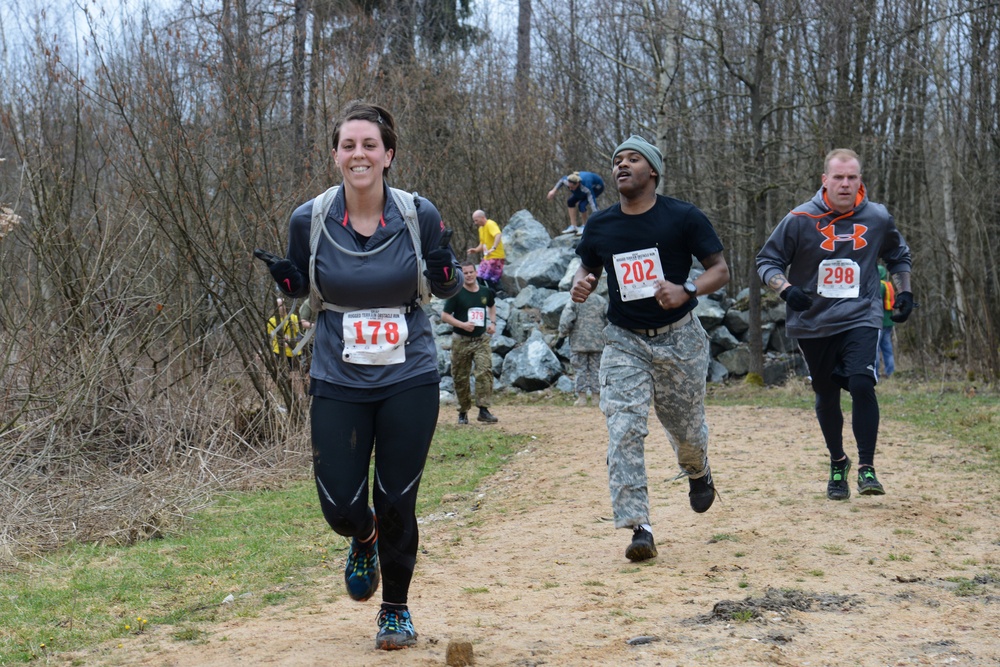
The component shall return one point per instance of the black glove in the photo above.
(290, 280)
(903, 307)
(796, 298)
(441, 268)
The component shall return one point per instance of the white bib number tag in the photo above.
(839, 279)
(375, 337)
(637, 273)
(477, 316)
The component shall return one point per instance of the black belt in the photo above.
(665, 328)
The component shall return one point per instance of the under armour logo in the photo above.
(832, 237)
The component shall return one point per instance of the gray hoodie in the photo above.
(813, 232)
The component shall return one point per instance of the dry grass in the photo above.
(83, 469)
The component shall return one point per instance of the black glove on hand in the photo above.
(903, 307)
(441, 267)
(288, 277)
(796, 298)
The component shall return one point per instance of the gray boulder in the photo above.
(542, 268)
(736, 360)
(522, 234)
(552, 309)
(737, 321)
(531, 366)
(710, 313)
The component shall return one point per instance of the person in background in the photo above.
(491, 245)
(584, 324)
(829, 249)
(472, 314)
(885, 354)
(375, 382)
(584, 189)
(285, 331)
(656, 352)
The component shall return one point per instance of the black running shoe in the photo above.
(868, 484)
(395, 629)
(702, 492)
(642, 547)
(362, 572)
(838, 488)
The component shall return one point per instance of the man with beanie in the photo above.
(829, 248)
(657, 352)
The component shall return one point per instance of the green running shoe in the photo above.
(868, 484)
(838, 488)
(395, 629)
(362, 572)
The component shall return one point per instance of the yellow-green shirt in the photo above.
(487, 233)
(290, 329)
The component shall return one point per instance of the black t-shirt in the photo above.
(676, 229)
(459, 305)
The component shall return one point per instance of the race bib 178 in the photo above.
(375, 337)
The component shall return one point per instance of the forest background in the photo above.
(146, 150)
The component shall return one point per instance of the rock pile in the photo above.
(529, 354)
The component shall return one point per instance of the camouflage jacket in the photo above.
(584, 324)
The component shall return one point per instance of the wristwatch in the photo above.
(690, 288)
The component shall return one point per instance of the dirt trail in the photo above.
(533, 573)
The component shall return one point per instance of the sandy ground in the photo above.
(531, 571)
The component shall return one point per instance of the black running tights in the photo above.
(864, 415)
(399, 430)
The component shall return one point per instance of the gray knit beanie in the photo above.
(644, 148)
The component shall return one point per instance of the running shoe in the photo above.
(362, 572)
(642, 546)
(395, 629)
(702, 492)
(838, 488)
(569, 230)
(868, 484)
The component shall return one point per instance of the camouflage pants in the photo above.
(466, 351)
(667, 372)
(587, 366)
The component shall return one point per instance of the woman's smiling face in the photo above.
(360, 153)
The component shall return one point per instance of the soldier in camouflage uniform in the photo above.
(471, 313)
(657, 352)
(584, 324)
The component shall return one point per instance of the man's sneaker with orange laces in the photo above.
(838, 488)
(362, 572)
(868, 484)
(395, 629)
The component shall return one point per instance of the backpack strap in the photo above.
(406, 203)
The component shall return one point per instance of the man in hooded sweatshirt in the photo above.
(822, 260)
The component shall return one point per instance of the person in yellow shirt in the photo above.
(491, 245)
(283, 331)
